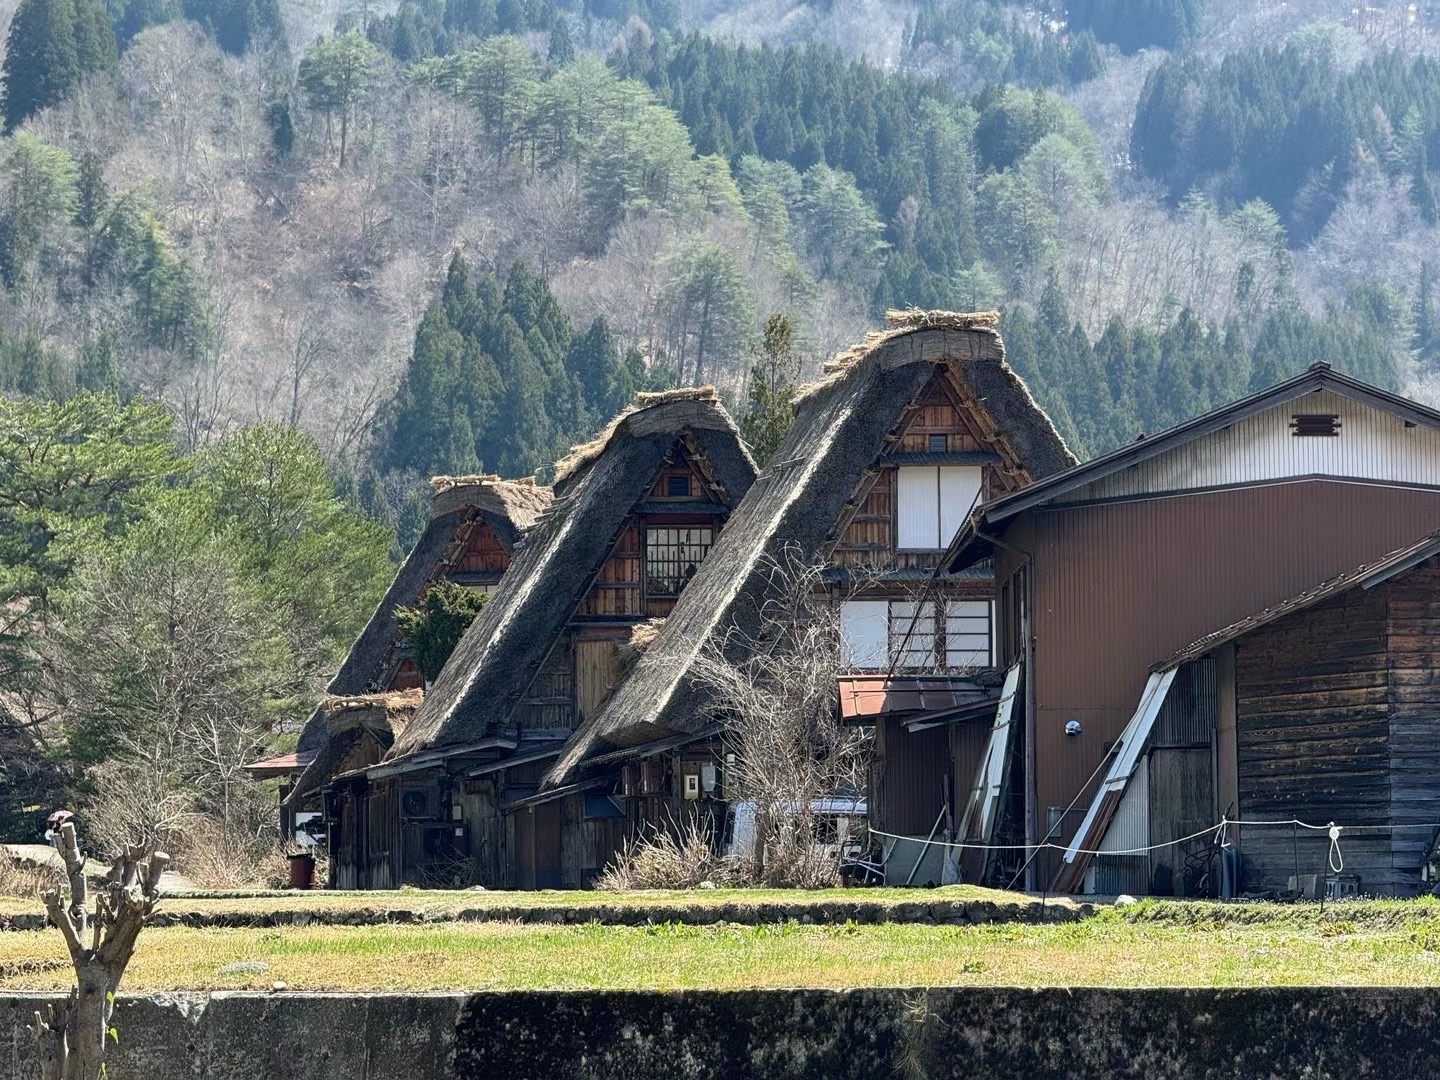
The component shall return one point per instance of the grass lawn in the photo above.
(1151, 945)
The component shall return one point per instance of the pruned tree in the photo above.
(72, 1035)
(775, 687)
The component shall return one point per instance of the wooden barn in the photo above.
(1324, 708)
(887, 456)
(475, 525)
(457, 799)
(1107, 568)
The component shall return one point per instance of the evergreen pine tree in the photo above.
(41, 62)
(770, 411)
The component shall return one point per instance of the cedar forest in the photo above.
(266, 266)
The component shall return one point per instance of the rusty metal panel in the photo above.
(1118, 587)
(1370, 444)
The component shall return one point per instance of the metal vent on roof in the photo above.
(1315, 425)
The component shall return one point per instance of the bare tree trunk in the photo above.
(72, 1035)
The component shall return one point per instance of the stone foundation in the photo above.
(975, 1034)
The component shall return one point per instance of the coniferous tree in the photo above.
(52, 45)
(770, 410)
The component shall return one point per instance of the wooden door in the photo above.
(1182, 802)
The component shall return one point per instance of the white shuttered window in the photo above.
(967, 633)
(932, 503)
(901, 635)
(864, 628)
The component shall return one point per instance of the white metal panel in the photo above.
(917, 512)
(1129, 829)
(1372, 445)
(1127, 752)
(983, 805)
(959, 493)
(864, 630)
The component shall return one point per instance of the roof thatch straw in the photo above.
(500, 654)
(841, 429)
(359, 729)
(580, 456)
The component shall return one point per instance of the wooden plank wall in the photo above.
(1312, 703)
(483, 552)
(908, 777)
(617, 589)
(481, 814)
(550, 700)
(1414, 633)
(595, 673)
(587, 845)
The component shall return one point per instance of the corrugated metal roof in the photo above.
(1362, 577)
(283, 763)
(866, 698)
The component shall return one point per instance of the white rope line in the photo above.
(1221, 829)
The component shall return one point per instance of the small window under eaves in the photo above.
(1315, 425)
(939, 444)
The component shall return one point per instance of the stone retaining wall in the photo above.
(953, 912)
(977, 1034)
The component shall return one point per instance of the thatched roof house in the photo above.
(476, 524)
(845, 427)
(601, 488)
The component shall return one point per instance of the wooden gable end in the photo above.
(481, 553)
(940, 426)
(619, 589)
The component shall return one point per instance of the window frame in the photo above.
(682, 546)
(961, 479)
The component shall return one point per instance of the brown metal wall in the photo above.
(908, 778)
(1118, 587)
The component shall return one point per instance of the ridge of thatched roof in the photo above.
(580, 455)
(841, 427)
(510, 507)
(499, 655)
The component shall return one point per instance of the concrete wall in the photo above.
(776, 1035)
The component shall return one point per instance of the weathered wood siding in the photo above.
(595, 673)
(587, 845)
(1312, 704)
(1414, 633)
(550, 701)
(617, 590)
(483, 553)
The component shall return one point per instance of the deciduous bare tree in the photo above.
(775, 686)
(72, 1035)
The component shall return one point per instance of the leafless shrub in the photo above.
(775, 687)
(214, 857)
(27, 882)
(663, 860)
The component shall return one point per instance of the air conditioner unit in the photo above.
(419, 803)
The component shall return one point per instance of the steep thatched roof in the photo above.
(348, 720)
(600, 483)
(509, 507)
(840, 429)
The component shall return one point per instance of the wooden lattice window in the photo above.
(672, 556)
